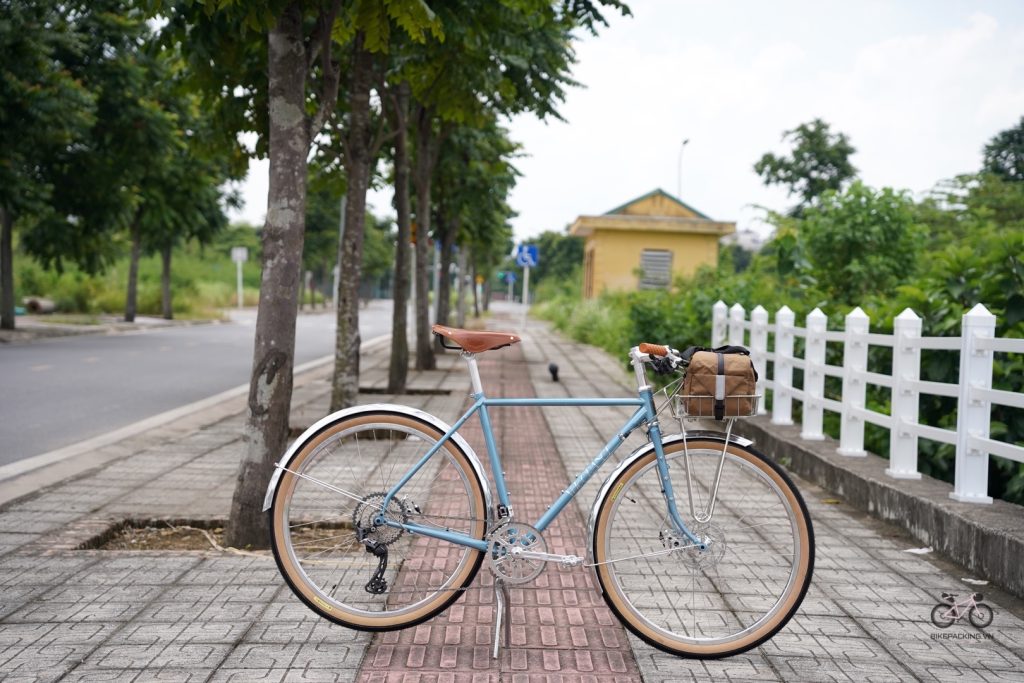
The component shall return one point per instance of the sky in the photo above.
(918, 86)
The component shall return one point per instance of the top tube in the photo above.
(561, 401)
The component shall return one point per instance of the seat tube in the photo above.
(485, 425)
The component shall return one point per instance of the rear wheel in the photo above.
(943, 616)
(325, 530)
(728, 597)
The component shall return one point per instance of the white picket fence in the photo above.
(974, 392)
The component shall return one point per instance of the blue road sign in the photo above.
(510, 276)
(527, 256)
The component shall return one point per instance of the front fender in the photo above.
(394, 409)
(632, 458)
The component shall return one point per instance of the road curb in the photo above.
(24, 477)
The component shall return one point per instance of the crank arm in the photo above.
(565, 560)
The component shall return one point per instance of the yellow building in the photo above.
(645, 243)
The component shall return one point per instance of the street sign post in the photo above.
(239, 255)
(526, 256)
(510, 278)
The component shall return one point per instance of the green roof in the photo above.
(677, 200)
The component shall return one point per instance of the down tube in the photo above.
(638, 417)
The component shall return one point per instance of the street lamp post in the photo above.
(679, 170)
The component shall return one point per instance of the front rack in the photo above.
(691, 405)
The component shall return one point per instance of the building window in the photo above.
(655, 269)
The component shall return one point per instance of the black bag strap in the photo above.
(688, 353)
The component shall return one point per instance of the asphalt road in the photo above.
(56, 392)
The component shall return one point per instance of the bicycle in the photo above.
(949, 611)
(381, 515)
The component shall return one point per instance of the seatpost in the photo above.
(474, 373)
(636, 360)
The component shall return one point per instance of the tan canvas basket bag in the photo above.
(719, 383)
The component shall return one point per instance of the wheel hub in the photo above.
(712, 538)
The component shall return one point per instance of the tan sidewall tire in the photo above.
(619, 605)
(294, 575)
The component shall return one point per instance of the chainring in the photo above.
(505, 545)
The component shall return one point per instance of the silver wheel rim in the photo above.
(689, 624)
(362, 565)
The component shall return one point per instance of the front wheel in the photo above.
(980, 615)
(728, 597)
(327, 536)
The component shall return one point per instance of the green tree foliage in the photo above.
(561, 256)
(860, 241)
(323, 218)
(819, 161)
(1004, 154)
(45, 109)
(474, 176)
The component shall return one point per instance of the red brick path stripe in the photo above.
(561, 628)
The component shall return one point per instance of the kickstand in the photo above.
(501, 616)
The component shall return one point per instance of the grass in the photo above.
(202, 283)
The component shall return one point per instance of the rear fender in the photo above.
(393, 409)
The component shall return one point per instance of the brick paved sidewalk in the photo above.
(68, 614)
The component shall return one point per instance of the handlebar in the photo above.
(653, 349)
(663, 360)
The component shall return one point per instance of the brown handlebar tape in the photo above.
(653, 349)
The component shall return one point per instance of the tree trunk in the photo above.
(476, 296)
(425, 136)
(345, 388)
(6, 269)
(270, 387)
(460, 292)
(165, 282)
(444, 282)
(398, 370)
(487, 294)
(131, 298)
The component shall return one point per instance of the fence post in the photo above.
(759, 351)
(737, 314)
(814, 376)
(972, 415)
(782, 399)
(719, 315)
(906, 369)
(855, 360)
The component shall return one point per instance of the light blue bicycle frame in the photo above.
(645, 413)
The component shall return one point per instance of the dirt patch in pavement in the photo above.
(164, 538)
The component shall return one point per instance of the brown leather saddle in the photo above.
(472, 341)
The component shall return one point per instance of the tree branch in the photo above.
(331, 71)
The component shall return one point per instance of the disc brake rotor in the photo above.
(710, 533)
